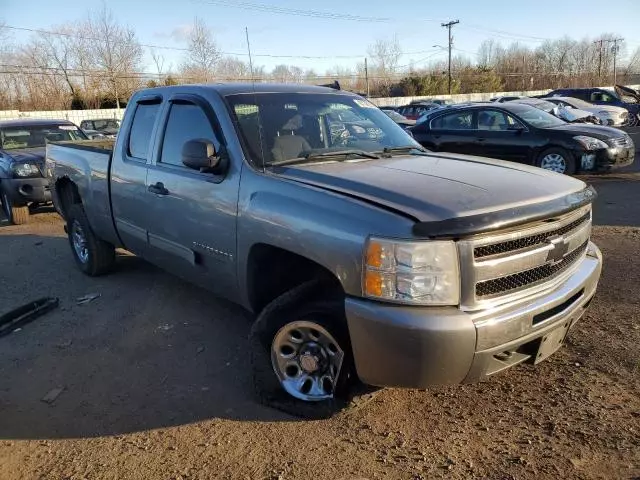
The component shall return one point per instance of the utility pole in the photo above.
(366, 75)
(615, 49)
(599, 43)
(448, 26)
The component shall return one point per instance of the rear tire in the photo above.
(15, 215)
(337, 387)
(557, 160)
(92, 255)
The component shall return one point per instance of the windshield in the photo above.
(106, 125)
(394, 115)
(577, 103)
(33, 136)
(540, 118)
(276, 127)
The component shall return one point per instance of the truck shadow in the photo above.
(151, 352)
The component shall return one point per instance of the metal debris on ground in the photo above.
(13, 321)
(87, 298)
(52, 395)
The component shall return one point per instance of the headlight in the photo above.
(420, 273)
(590, 143)
(25, 169)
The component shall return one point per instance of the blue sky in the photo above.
(416, 23)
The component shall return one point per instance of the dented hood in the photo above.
(441, 187)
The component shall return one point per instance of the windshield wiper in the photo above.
(321, 155)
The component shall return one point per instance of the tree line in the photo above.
(98, 63)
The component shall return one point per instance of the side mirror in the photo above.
(200, 155)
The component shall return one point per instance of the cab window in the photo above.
(144, 119)
(186, 122)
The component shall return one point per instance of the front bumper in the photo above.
(605, 159)
(27, 190)
(414, 347)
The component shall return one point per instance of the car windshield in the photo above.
(33, 136)
(106, 125)
(278, 127)
(577, 103)
(394, 115)
(539, 118)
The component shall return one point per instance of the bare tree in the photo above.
(385, 55)
(115, 51)
(203, 54)
(230, 68)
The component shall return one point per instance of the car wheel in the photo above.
(557, 160)
(92, 255)
(301, 355)
(15, 215)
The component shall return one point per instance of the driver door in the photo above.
(192, 229)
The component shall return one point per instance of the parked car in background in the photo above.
(377, 263)
(400, 119)
(601, 96)
(522, 133)
(22, 169)
(608, 114)
(345, 126)
(505, 98)
(416, 110)
(108, 127)
(439, 101)
(573, 115)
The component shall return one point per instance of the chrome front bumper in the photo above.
(416, 347)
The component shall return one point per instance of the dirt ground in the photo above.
(156, 384)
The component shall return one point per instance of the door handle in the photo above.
(158, 188)
(481, 139)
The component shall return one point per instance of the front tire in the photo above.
(15, 215)
(301, 355)
(557, 160)
(92, 255)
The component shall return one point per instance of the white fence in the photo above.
(76, 116)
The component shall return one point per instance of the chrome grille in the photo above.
(496, 268)
(527, 242)
(528, 278)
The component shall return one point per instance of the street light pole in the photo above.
(448, 26)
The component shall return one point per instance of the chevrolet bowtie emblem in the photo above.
(559, 249)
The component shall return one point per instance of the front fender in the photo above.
(325, 227)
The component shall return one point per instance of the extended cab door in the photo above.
(128, 181)
(192, 230)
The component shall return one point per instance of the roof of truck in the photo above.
(238, 88)
(19, 122)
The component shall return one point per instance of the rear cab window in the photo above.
(144, 119)
(454, 121)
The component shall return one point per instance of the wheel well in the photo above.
(67, 193)
(273, 271)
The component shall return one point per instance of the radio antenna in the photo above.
(255, 99)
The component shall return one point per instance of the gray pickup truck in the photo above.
(367, 259)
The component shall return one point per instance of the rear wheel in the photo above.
(301, 355)
(557, 160)
(15, 215)
(92, 255)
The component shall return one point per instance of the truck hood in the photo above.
(441, 188)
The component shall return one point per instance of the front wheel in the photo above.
(92, 255)
(557, 160)
(15, 215)
(301, 355)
